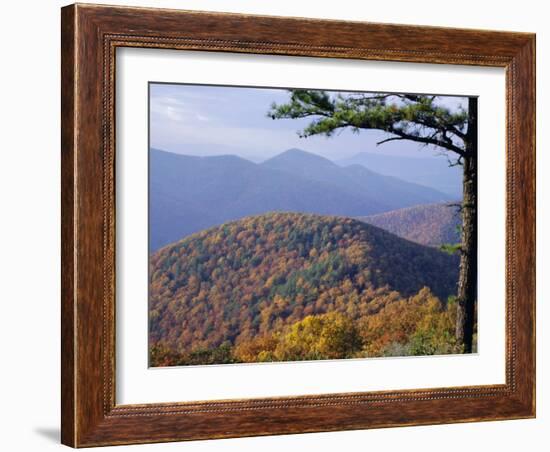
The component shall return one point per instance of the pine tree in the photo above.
(417, 118)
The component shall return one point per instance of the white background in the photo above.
(30, 226)
(137, 384)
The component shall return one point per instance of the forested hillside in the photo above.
(430, 224)
(288, 286)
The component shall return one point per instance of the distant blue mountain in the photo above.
(188, 194)
(433, 172)
(392, 192)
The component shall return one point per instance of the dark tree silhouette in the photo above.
(421, 119)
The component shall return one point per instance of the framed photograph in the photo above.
(282, 225)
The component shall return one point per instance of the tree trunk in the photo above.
(467, 282)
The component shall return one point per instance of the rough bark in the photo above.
(467, 283)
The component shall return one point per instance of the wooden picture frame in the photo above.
(90, 36)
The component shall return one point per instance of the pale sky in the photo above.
(213, 120)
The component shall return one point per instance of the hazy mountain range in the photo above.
(188, 193)
(432, 172)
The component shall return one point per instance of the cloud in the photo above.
(202, 117)
(214, 117)
(167, 108)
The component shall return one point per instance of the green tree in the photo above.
(421, 119)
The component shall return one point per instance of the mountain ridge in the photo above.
(253, 276)
(190, 193)
(433, 172)
(356, 178)
(428, 224)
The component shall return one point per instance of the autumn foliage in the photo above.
(287, 287)
(427, 224)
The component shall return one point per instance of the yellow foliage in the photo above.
(328, 336)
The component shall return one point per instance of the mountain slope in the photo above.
(256, 275)
(355, 179)
(431, 172)
(431, 225)
(188, 194)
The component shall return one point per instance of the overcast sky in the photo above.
(213, 120)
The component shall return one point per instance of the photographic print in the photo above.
(304, 224)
